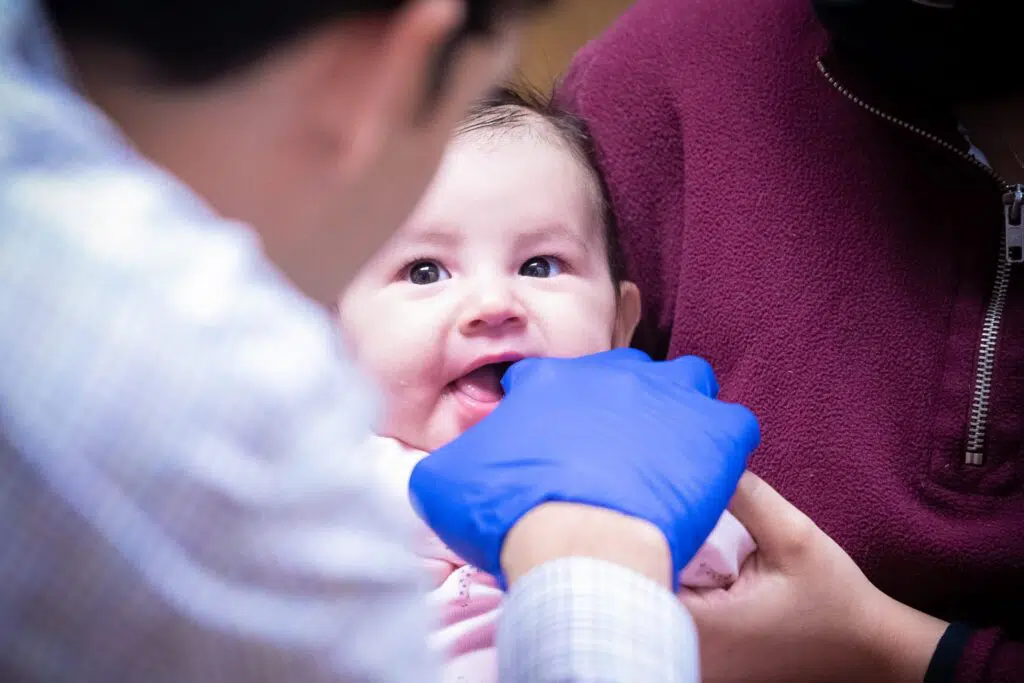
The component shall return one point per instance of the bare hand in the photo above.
(802, 611)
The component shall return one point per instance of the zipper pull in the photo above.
(1013, 204)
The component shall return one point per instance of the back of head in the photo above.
(188, 42)
(296, 117)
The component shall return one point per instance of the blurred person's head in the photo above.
(512, 253)
(318, 122)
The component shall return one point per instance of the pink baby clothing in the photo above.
(467, 601)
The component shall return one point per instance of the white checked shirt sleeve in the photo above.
(180, 492)
(588, 621)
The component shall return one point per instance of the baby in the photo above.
(512, 253)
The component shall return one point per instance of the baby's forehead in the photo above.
(519, 186)
(525, 160)
(492, 186)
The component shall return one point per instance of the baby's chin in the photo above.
(443, 426)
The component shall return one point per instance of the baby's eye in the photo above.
(426, 272)
(541, 266)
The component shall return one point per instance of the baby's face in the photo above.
(503, 259)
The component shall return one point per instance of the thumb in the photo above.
(517, 372)
(694, 373)
(777, 525)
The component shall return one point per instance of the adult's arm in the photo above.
(586, 620)
(590, 602)
(181, 494)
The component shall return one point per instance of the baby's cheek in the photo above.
(579, 323)
(408, 411)
(387, 362)
(426, 423)
(398, 419)
(400, 351)
(589, 335)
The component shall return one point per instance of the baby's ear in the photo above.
(627, 314)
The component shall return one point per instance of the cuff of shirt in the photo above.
(949, 651)
(586, 620)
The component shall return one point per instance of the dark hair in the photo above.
(191, 42)
(521, 107)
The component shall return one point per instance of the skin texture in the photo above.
(800, 587)
(510, 240)
(624, 537)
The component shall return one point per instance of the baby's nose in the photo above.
(492, 312)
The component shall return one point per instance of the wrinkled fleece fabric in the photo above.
(835, 253)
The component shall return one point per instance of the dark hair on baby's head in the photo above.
(521, 107)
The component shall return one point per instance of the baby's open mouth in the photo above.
(484, 383)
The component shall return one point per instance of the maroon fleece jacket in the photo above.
(836, 256)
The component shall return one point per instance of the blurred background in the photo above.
(553, 39)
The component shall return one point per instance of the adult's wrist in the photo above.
(554, 531)
(903, 641)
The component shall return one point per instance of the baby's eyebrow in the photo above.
(553, 231)
(432, 236)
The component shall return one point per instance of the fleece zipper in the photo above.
(1010, 252)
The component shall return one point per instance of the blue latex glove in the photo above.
(614, 430)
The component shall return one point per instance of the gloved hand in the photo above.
(614, 430)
